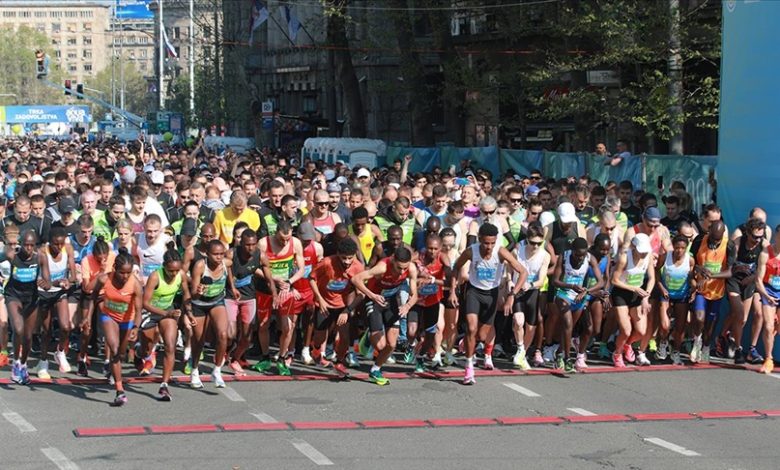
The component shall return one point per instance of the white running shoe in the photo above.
(696, 350)
(489, 362)
(62, 360)
(42, 371)
(662, 352)
(306, 356)
(676, 359)
(642, 360)
(195, 381)
(187, 354)
(581, 363)
(216, 376)
(449, 359)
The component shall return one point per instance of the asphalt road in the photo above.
(39, 423)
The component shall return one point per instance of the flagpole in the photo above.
(192, 59)
(162, 59)
(281, 29)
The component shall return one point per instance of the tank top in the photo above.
(282, 264)
(533, 265)
(590, 278)
(324, 226)
(572, 275)
(151, 256)
(81, 251)
(309, 260)
(772, 271)
(138, 227)
(747, 257)
(164, 293)
(390, 282)
(655, 238)
(244, 273)
(366, 241)
(58, 270)
(23, 279)
(455, 228)
(634, 275)
(713, 260)
(118, 303)
(430, 294)
(485, 274)
(215, 286)
(676, 278)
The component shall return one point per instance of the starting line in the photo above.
(362, 376)
(417, 423)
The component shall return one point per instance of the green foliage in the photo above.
(17, 56)
(137, 100)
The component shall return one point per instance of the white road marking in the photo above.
(17, 420)
(59, 459)
(777, 376)
(581, 412)
(522, 390)
(310, 452)
(263, 418)
(232, 394)
(672, 447)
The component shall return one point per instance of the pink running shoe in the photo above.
(628, 351)
(468, 379)
(580, 363)
(617, 361)
(235, 366)
(538, 360)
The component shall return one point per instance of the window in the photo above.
(88, 68)
(143, 66)
(55, 14)
(144, 40)
(55, 42)
(71, 27)
(310, 104)
(176, 33)
(72, 55)
(86, 26)
(71, 14)
(25, 14)
(86, 40)
(9, 14)
(71, 41)
(58, 54)
(56, 27)
(40, 14)
(86, 14)
(72, 68)
(86, 54)
(40, 27)
(143, 52)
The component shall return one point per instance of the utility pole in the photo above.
(113, 57)
(121, 64)
(162, 59)
(192, 59)
(674, 65)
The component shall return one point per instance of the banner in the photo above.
(423, 158)
(630, 169)
(480, 157)
(44, 114)
(561, 165)
(522, 162)
(692, 171)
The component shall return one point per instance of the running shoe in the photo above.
(283, 369)
(187, 354)
(516, 358)
(419, 366)
(754, 357)
(768, 367)
(262, 366)
(604, 351)
(62, 360)
(696, 350)
(16, 372)
(548, 354)
(120, 399)
(720, 346)
(188, 366)
(238, 371)
(652, 345)
(449, 359)
(524, 365)
(365, 345)
(705, 355)
(148, 365)
(569, 366)
(352, 360)
(409, 356)
(24, 375)
(165, 394)
(306, 357)
(581, 361)
(195, 381)
(538, 360)
(559, 362)
(731, 349)
(391, 359)
(83, 369)
(3, 358)
(676, 359)
(739, 357)
(617, 360)
(436, 363)
(498, 351)
(663, 350)
(106, 369)
(43, 370)
(468, 378)
(642, 360)
(628, 352)
(377, 377)
(341, 370)
(216, 376)
(488, 363)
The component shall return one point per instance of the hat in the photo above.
(128, 175)
(37, 178)
(329, 175)
(189, 227)
(334, 188)
(642, 243)
(158, 177)
(567, 213)
(342, 180)
(345, 188)
(306, 231)
(532, 190)
(149, 167)
(24, 173)
(546, 218)
(652, 213)
(255, 201)
(468, 173)
(66, 205)
(363, 173)
(341, 162)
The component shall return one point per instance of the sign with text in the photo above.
(44, 114)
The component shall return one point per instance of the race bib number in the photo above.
(118, 307)
(485, 273)
(391, 291)
(774, 282)
(429, 289)
(25, 274)
(325, 229)
(713, 266)
(635, 280)
(57, 276)
(337, 285)
(148, 269)
(243, 281)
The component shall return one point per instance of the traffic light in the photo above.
(68, 88)
(80, 91)
(41, 64)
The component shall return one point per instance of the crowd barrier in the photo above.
(642, 170)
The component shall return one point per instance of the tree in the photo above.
(17, 54)
(137, 99)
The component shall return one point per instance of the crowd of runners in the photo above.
(149, 252)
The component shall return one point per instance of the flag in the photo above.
(293, 23)
(257, 18)
(168, 46)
